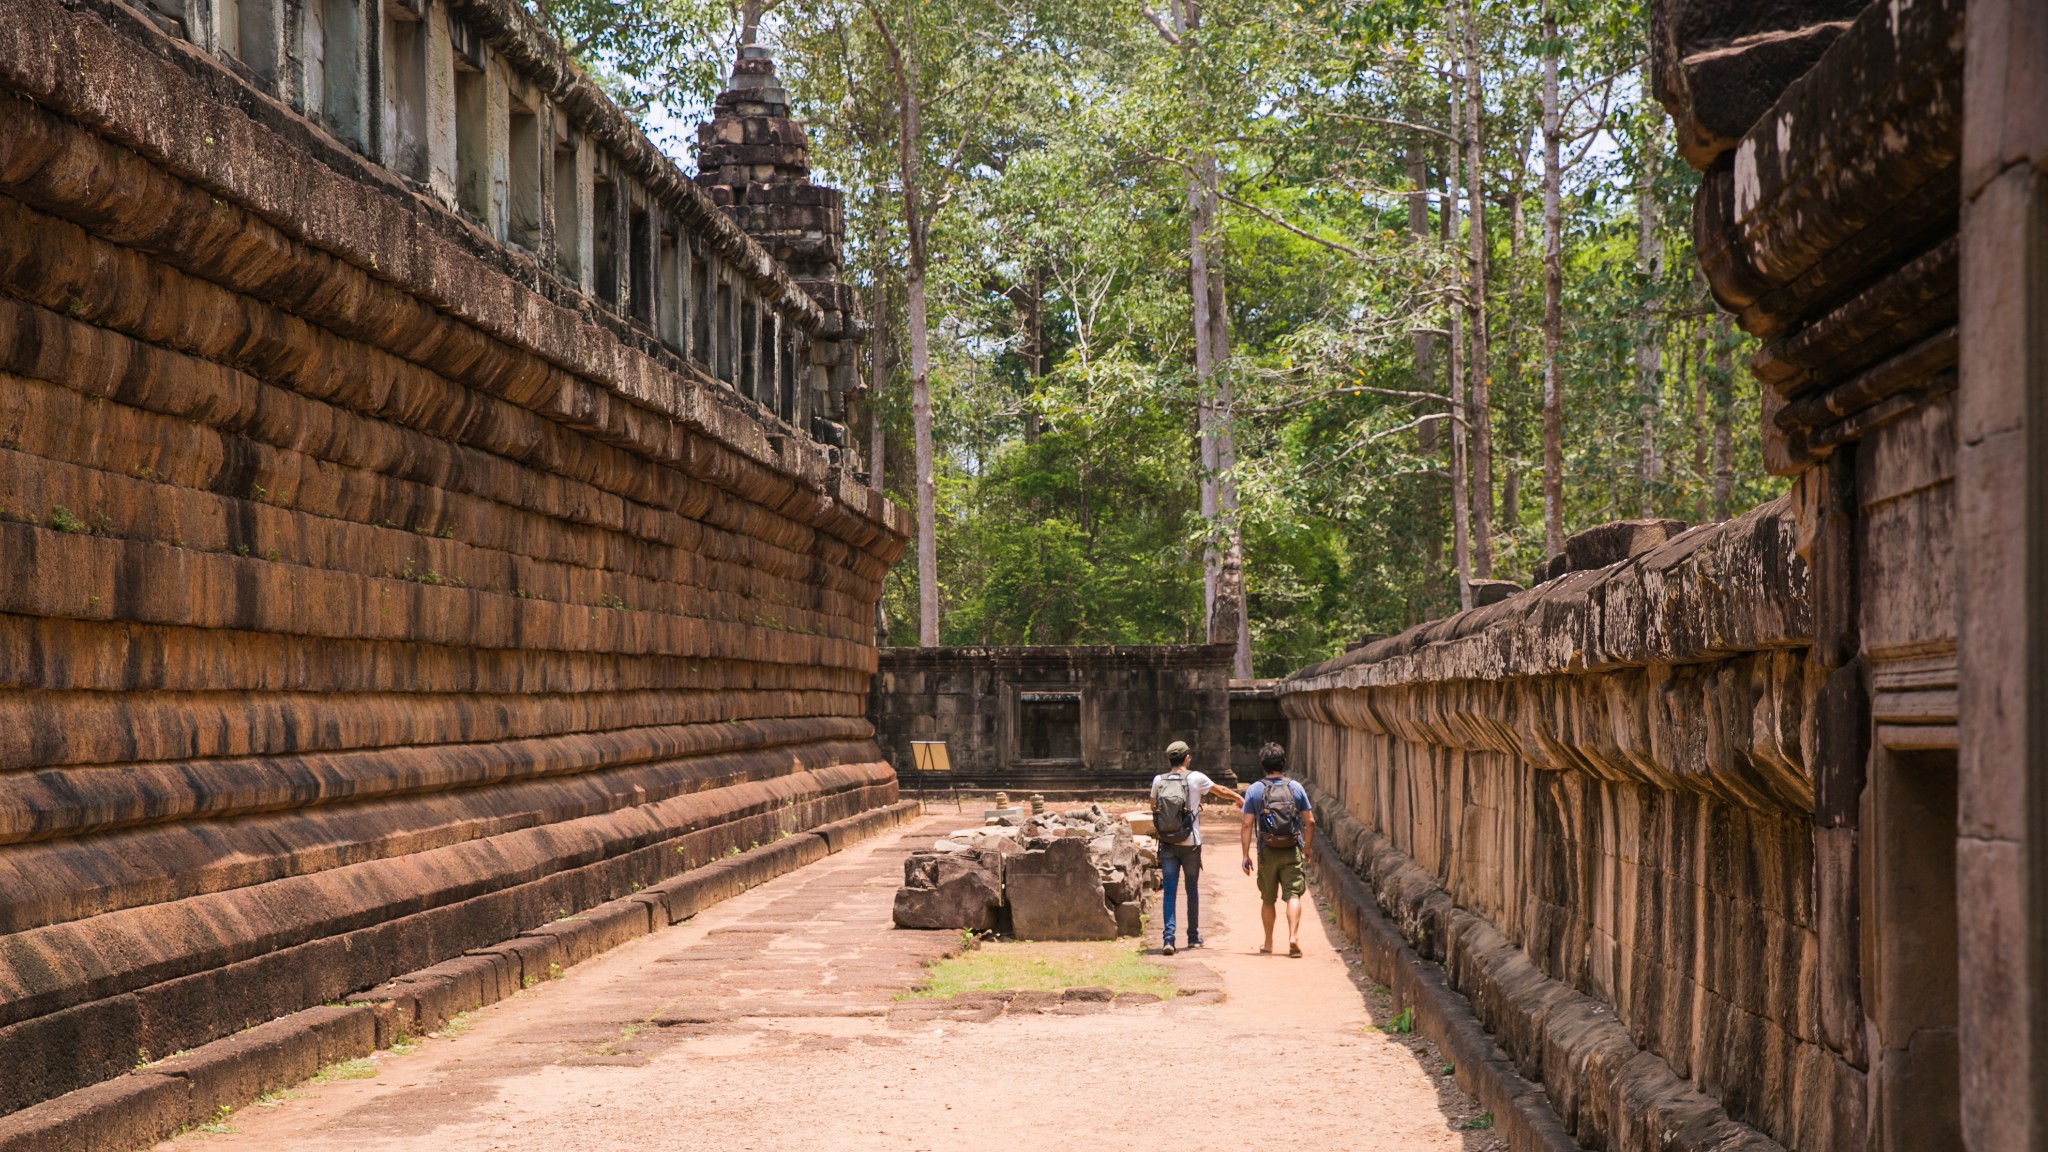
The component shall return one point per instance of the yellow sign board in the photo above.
(930, 756)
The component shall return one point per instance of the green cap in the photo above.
(1177, 748)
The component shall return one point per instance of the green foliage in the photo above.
(1056, 147)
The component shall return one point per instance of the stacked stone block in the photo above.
(361, 603)
(754, 161)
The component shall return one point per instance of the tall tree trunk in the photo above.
(1693, 371)
(1425, 343)
(1224, 423)
(1508, 451)
(1213, 418)
(1649, 351)
(1553, 297)
(878, 374)
(1475, 195)
(1205, 387)
(1461, 506)
(1724, 396)
(903, 61)
(1034, 344)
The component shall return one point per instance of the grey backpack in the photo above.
(1172, 821)
(1279, 814)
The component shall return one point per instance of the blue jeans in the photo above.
(1176, 860)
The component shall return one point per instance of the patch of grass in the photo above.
(1024, 966)
(277, 1099)
(346, 1070)
(1478, 1123)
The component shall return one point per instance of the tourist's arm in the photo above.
(1244, 841)
(1235, 799)
(1308, 828)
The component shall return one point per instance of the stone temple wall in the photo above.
(1056, 718)
(1590, 802)
(378, 580)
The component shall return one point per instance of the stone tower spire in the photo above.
(755, 163)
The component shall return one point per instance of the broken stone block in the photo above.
(956, 889)
(1055, 894)
(1486, 592)
(1613, 542)
(1130, 918)
(1140, 822)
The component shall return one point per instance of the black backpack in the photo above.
(1279, 813)
(1171, 821)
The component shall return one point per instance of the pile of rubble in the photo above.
(1076, 875)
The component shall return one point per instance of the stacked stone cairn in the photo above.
(1078, 875)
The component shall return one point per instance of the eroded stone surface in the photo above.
(373, 590)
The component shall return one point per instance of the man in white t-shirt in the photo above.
(1177, 797)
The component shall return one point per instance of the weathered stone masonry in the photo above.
(1056, 718)
(1589, 803)
(412, 527)
(1724, 858)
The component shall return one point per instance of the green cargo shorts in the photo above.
(1280, 874)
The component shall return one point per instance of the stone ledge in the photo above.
(1709, 592)
(152, 1103)
(1616, 1094)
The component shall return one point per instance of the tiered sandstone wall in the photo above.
(1591, 803)
(368, 593)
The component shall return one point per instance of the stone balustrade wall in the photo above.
(1590, 802)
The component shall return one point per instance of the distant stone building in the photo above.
(1071, 719)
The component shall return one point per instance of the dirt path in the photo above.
(766, 1023)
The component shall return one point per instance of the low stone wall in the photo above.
(1064, 719)
(1591, 804)
(366, 595)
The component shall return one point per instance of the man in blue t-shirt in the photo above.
(1276, 812)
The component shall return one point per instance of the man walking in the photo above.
(1276, 810)
(1177, 823)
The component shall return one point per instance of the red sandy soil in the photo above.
(773, 1021)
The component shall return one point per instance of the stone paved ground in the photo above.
(771, 1021)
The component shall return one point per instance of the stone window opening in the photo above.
(332, 39)
(749, 329)
(568, 209)
(669, 298)
(1049, 726)
(522, 164)
(248, 32)
(604, 241)
(472, 126)
(640, 266)
(724, 324)
(405, 91)
(785, 376)
(700, 310)
(169, 15)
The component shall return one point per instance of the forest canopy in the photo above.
(1371, 300)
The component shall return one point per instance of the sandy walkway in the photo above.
(766, 1023)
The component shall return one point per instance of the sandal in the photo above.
(1265, 949)
(1294, 950)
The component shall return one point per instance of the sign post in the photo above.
(931, 756)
